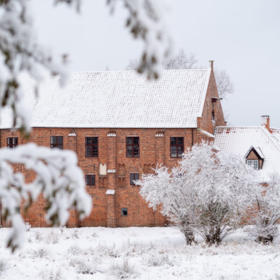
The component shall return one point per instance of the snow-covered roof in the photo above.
(238, 140)
(258, 151)
(118, 99)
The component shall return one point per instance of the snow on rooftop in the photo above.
(238, 140)
(118, 99)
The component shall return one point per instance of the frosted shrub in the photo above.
(52, 238)
(157, 260)
(207, 193)
(266, 212)
(74, 234)
(38, 236)
(75, 250)
(82, 266)
(40, 253)
(4, 265)
(122, 269)
(52, 274)
(27, 226)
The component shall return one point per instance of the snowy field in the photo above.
(134, 253)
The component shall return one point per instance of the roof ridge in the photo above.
(268, 134)
(124, 70)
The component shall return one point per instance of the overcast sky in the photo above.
(240, 36)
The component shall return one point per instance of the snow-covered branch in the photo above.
(58, 178)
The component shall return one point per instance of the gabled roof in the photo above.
(119, 99)
(257, 150)
(238, 140)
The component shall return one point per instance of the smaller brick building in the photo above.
(258, 145)
(121, 126)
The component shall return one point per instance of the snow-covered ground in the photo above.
(134, 253)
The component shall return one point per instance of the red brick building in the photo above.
(121, 126)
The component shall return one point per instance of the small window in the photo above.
(132, 147)
(57, 142)
(124, 211)
(90, 180)
(12, 142)
(254, 163)
(213, 115)
(91, 146)
(133, 177)
(176, 147)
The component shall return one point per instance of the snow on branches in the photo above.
(147, 21)
(20, 52)
(57, 176)
(266, 212)
(207, 193)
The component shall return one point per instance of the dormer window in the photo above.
(255, 157)
(254, 163)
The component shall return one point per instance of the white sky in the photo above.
(240, 36)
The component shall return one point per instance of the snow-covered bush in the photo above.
(53, 274)
(265, 214)
(122, 269)
(207, 193)
(4, 265)
(58, 175)
(40, 253)
(75, 250)
(82, 266)
(52, 238)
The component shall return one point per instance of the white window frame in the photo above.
(254, 163)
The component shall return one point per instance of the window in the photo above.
(213, 115)
(90, 180)
(132, 146)
(133, 177)
(57, 142)
(176, 147)
(91, 147)
(124, 211)
(254, 163)
(12, 142)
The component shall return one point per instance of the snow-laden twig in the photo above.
(57, 176)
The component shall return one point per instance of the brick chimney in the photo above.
(211, 64)
(265, 121)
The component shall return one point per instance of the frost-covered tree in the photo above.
(58, 176)
(265, 213)
(207, 193)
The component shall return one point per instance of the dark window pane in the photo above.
(59, 147)
(173, 140)
(95, 151)
(93, 180)
(131, 179)
(173, 151)
(87, 179)
(124, 212)
(53, 140)
(59, 140)
(180, 151)
(136, 176)
(136, 151)
(129, 140)
(88, 140)
(129, 151)
(88, 151)
(136, 140)
(180, 140)
(95, 140)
